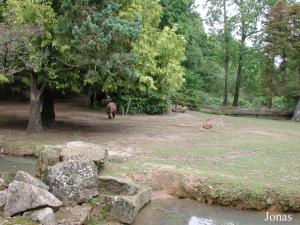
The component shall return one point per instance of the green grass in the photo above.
(273, 162)
(20, 221)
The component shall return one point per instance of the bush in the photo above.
(150, 104)
(208, 100)
(284, 103)
(189, 98)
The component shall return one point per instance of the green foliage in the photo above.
(180, 14)
(3, 79)
(151, 103)
(189, 24)
(2, 9)
(189, 94)
(131, 48)
(99, 43)
(160, 51)
(187, 97)
(282, 46)
(27, 39)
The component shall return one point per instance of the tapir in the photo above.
(111, 110)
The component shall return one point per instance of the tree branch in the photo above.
(68, 64)
(42, 89)
(17, 72)
(253, 32)
(66, 69)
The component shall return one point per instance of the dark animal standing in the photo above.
(111, 110)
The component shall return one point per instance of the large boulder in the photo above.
(44, 216)
(22, 197)
(117, 186)
(125, 208)
(49, 156)
(88, 150)
(3, 198)
(125, 198)
(77, 215)
(74, 180)
(27, 178)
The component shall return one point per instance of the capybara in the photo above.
(111, 110)
(208, 124)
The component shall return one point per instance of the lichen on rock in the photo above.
(74, 180)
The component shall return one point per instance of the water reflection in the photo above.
(9, 165)
(200, 221)
(188, 212)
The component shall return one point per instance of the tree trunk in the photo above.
(226, 68)
(34, 122)
(226, 55)
(238, 83)
(93, 99)
(239, 73)
(48, 112)
(297, 112)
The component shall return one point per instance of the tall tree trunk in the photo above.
(239, 72)
(226, 68)
(226, 55)
(34, 122)
(48, 112)
(297, 112)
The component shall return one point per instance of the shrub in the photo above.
(151, 104)
(189, 98)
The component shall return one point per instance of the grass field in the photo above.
(243, 153)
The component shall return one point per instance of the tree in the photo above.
(215, 9)
(282, 44)
(27, 36)
(249, 15)
(160, 51)
(219, 16)
(183, 15)
(98, 44)
(268, 85)
(85, 41)
(294, 56)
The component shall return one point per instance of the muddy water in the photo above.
(9, 165)
(188, 212)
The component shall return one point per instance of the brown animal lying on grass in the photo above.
(208, 124)
(111, 109)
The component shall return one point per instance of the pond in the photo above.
(189, 212)
(9, 165)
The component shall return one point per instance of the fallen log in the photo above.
(206, 125)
